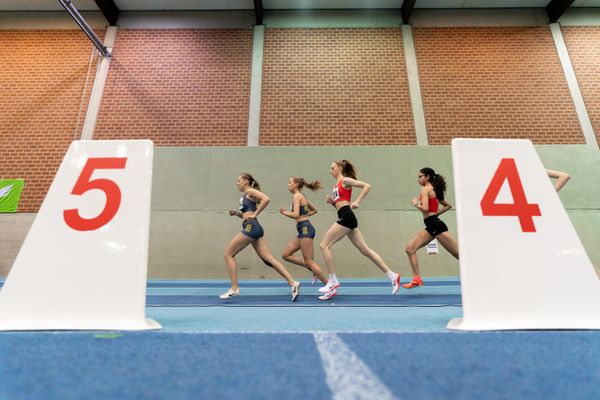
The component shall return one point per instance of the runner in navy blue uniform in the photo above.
(301, 209)
(251, 204)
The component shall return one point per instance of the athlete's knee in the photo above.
(365, 251)
(410, 249)
(286, 256)
(227, 256)
(324, 246)
(267, 262)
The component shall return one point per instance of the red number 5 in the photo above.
(507, 170)
(110, 189)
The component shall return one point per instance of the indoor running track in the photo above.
(366, 344)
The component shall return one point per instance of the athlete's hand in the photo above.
(282, 211)
(354, 205)
(414, 202)
(232, 212)
(329, 200)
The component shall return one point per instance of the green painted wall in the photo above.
(194, 187)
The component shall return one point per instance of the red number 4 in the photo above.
(110, 189)
(507, 170)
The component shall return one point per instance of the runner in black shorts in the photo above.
(433, 187)
(301, 209)
(341, 198)
(251, 204)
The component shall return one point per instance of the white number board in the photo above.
(522, 265)
(84, 262)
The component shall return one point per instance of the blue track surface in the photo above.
(424, 300)
(265, 347)
(509, 365)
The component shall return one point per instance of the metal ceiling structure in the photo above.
(74, 13)
(150, 5)
(111, 8)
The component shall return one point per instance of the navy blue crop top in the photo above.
(247, 205)
(303, 209)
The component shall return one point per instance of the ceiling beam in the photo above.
(85, 27)
(110, 10)
(556, 8)
(407, 9)
(258, 9)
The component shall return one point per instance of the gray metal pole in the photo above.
(84, 25)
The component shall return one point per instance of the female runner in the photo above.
(302, 208)
(433, 187)
(341, 198)
(251, 204)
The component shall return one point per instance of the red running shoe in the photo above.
(417, 281)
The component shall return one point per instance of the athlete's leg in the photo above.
(449, 243)
(237, 244)
(287, 253)
(307, 253)
(359, 241)
(333, 235)
(418, 241)
(260, 246)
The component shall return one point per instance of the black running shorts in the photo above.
(347, 218)
(434, 225)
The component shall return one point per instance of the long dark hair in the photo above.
(301, 182)
(251, 181)
(348, 170)
(437, 181)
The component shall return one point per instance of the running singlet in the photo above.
(247, 205)
(303, 209)
(433, 204)
(340, 193)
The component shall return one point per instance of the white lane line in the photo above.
(348, 377)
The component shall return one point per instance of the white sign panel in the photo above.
(522, 265)
(84, 262)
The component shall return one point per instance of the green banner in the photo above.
(10, 194)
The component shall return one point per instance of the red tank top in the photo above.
(340, 193)
(433, 204)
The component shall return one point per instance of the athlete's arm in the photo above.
(347, 182)
(312, 210)
(295, 213)
(561, 178)
(446, 207)
(424, 204)
(236, 213)
(262, 200)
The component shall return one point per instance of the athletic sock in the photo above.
(391, 275)
(332, 278)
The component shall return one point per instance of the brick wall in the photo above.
(335, 86)
(583, 44)
(494, 82)
(178, 87)
(42, 81)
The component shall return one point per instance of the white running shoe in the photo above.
(396, 284)
(315, 279)
(295, 291)
(329, 287)
(230, 293)
(328, 295)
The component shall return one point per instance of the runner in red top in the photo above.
(341, 198)
(431, 196)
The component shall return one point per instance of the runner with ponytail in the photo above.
(301, 209)
(433, 187)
